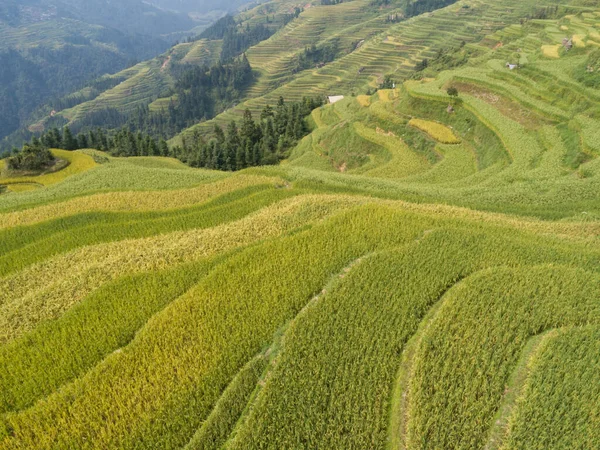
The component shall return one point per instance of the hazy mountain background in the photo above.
(49, 48)
(199, 7)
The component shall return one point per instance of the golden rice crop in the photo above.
(551, 51)
(386, 95)
(132, 201)
(62, 350)
(364, 100)
(46, 290)
(437, 131)
(22, 187)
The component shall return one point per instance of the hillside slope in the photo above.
(49, 49)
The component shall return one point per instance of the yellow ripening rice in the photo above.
(578, 40)
(386, 95)
(46, 290)
(22, 187)
(437, 131)
(364, 100)
(551, 51)
(132, 200)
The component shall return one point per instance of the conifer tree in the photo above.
(69, 142)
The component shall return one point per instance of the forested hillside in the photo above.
(49, 49)
(193, 81)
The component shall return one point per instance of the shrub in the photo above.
(31, 158)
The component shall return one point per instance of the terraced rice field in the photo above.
(435, 130)
(383, 288)
(388, 48)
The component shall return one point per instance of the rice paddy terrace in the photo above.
(370, 47)
(413, 276)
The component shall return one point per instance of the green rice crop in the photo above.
(340, 355)
(229, 408)
(463, 364)
(107, 320)
(170, 388)
(560, 391)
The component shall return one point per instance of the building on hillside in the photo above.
(335, 98)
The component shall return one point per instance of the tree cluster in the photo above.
(251, 143)
(316, 56)
(236, 39)
(199, 94)
(394, 18)
(424, 6)
(287, 18)
(388, 82)
(32, 157)
(202, 92)
(546, 12)
(218, 29)
(122, 143)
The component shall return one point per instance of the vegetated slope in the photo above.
(387, 47)
(339, 28)
(63, 56)
(50, 59)
(109, 101)
(49, 49)
(409, 278)
(527, 140)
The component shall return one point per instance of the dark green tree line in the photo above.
(251, 143)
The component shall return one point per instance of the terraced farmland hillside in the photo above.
(148, 83)
(387, 48)
(422, 272)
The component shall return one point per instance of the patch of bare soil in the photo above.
(507, 107)
(385, 133)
